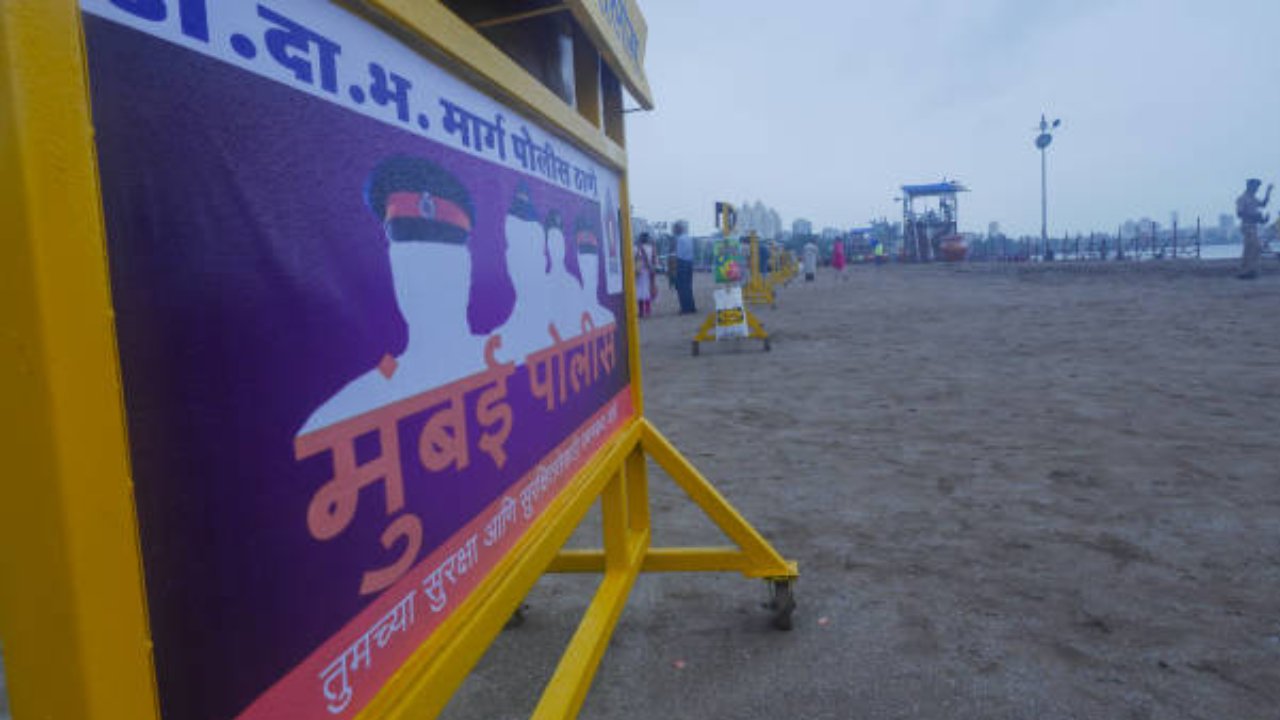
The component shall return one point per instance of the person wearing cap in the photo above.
(613, 244)
(566, 291)
(586, 237)
(1249, 210)
(525, 330)
(425, 217)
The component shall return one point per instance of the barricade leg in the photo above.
(751, 554)
(624, 550)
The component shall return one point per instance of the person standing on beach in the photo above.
(646, 279)
(684, 269)
(810, 261)
(1249, 210)
(837, 258)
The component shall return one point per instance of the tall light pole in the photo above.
(1043, 141)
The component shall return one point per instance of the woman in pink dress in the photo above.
(837, 258)
(646, 278)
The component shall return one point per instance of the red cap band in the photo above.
(428, 207)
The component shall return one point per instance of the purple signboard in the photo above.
(370, 323)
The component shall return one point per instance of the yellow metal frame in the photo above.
(707, 330)
(73, 614)
(782, 270)
(757, 290)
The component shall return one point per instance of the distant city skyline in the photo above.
(828, 110)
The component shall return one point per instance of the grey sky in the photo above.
(823, 109)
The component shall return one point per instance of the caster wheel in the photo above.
(782, 602)
(695, 348)
(518, 617)
(767, 345)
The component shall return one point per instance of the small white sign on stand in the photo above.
(731, 316)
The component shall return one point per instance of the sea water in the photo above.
(1229, 251)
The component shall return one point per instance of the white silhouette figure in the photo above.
(431, 275)
(589, 267)
(432, 283)
(567, 305)
(612, 246)
(525, 331)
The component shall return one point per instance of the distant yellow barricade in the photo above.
(782, 268)
(758, 290)
(731, 319)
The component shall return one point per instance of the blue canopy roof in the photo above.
(942, 188)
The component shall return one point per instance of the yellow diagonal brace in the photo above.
(705, 331)
(764, 560)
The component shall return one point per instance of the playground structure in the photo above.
(738, 315)
(932, 233)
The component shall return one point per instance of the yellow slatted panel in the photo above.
(457, 41)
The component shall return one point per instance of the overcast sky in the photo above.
(822, 109)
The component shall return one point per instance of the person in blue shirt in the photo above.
(1249, 210)
(684, 269)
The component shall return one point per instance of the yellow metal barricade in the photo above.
(758, 290)
(81, 597)
(707, 332)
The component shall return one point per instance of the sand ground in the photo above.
(1014, 494)
(1019, 494)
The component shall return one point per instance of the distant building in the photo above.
(639, 225)
(993, 229)
(1226, 227)
(758, 218)
(775, 224)
(830, 233)
(801, 227)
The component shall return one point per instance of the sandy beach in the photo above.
(1013, 493)
(1038, 492)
